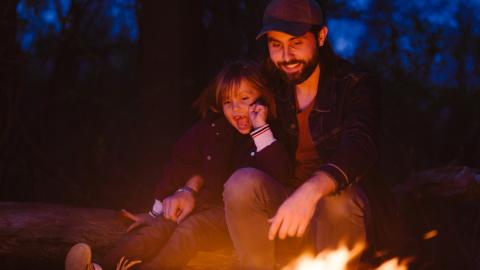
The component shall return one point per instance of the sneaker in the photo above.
(79, 257)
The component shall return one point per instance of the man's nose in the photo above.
(287, 54)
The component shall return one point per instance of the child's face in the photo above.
(235, 106)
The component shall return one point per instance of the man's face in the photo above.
(295, 57)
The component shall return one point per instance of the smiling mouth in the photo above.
(242, 122)
(290, 67)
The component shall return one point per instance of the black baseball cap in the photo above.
(294, 17)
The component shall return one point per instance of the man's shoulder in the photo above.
(344, 70)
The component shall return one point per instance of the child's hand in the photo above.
(258, 115)
(138, 219)
(124, 264)
(178, 206)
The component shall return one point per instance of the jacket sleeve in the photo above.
(185, 162)
(272, 156)
(357, 150)
(275, 161)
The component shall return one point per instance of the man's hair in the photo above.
(326, 56)
(228, 81)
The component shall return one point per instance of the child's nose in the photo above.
(237, 106)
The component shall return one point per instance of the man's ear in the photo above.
(322, 36)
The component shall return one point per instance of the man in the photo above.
(328, 114)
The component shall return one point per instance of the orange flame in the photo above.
(393, 264)
(338, 259)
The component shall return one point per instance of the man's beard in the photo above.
(298, 77)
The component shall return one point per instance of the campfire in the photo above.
(339, 259)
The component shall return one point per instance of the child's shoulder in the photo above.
(212, 122)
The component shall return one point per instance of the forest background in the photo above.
(94, 93)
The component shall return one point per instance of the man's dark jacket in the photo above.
(345, 127)
(344, 122)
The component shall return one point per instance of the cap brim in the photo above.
(291, 28)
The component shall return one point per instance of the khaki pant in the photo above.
(251, 197)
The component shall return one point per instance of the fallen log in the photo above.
(39, 235)
(441, 208)
(449, 182)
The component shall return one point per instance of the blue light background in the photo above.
(46, 18)
(347, 35)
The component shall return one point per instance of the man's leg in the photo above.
(202, 231)
(140, 244)
(342, 219)
(251, 197)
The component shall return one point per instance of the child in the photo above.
(188, 215)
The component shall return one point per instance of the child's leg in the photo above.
(205, 230)
(140, 244)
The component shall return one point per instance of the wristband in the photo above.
(262, 137)
(157, 209)
(187, 189)
(154, 214)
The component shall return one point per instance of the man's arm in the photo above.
(355, 154)
(356, 151)
(295, 213)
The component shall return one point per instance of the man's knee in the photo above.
(351, 204)
(243, 184)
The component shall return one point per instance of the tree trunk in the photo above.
(9, 88)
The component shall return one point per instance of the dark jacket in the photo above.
(344, 122)
(214, 149)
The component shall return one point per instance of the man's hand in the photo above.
(138, 219)
(178, 206)
(294, 215)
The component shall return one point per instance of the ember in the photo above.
(431, 234)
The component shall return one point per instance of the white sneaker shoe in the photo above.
(79, 257)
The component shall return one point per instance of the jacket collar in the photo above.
(322, 99)
(327, 86)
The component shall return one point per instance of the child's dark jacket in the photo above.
(214, 149)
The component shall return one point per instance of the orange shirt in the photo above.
(306, 156)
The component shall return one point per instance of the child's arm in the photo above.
(175, 207)
(180, 204)
(271, 156)
(183, 169)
